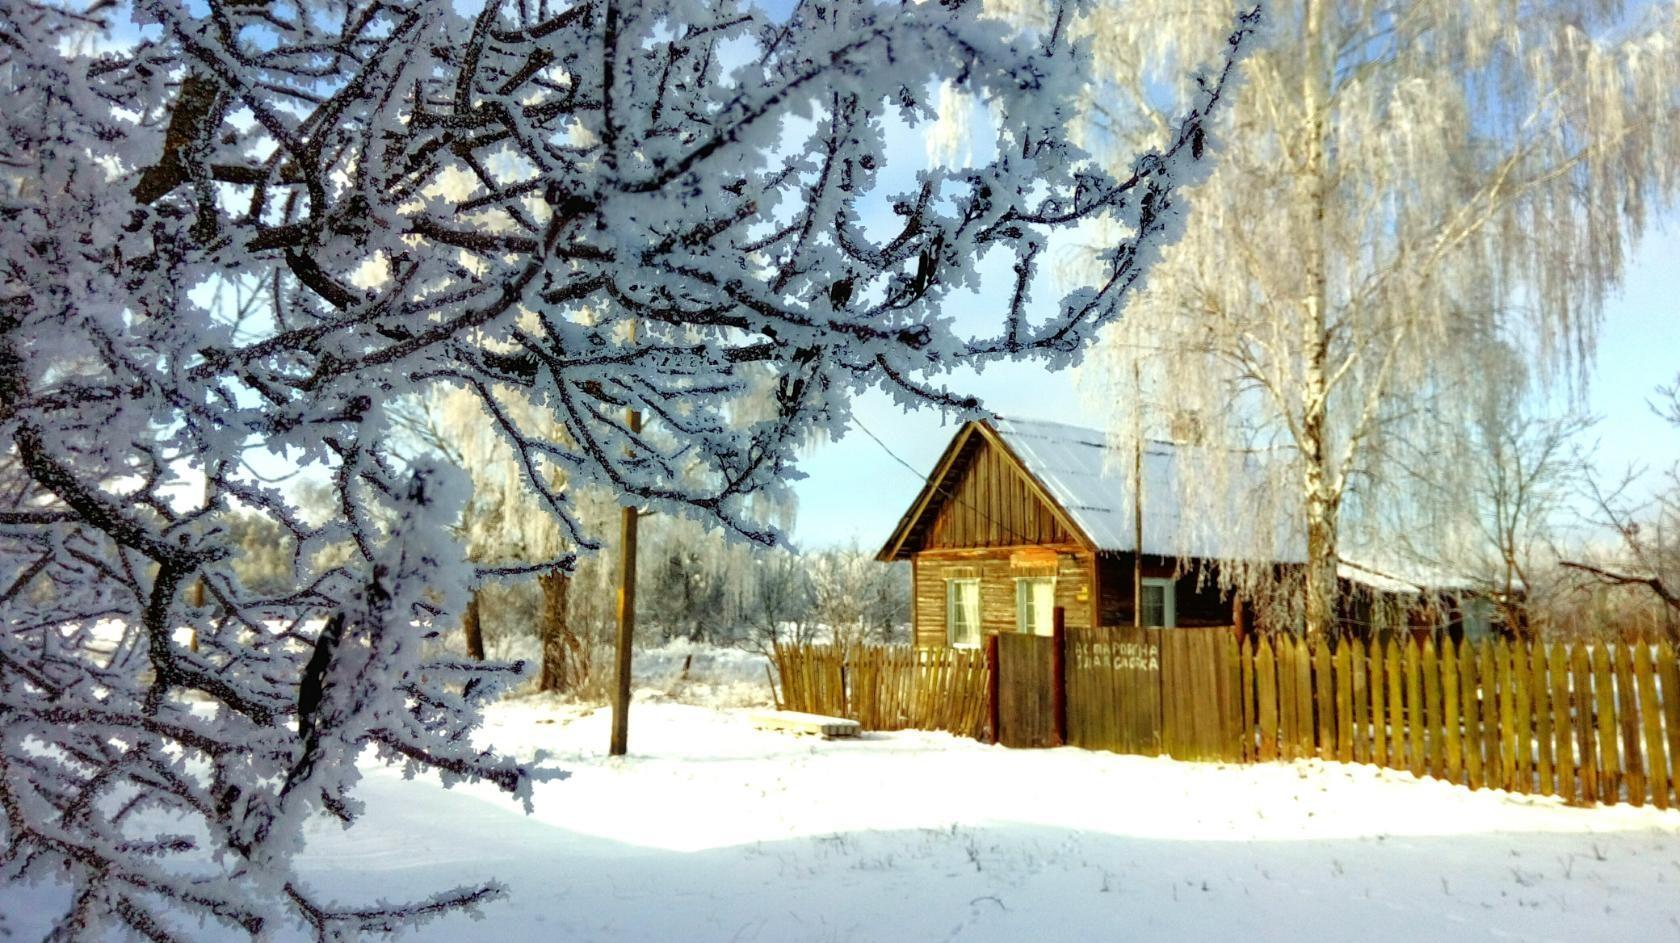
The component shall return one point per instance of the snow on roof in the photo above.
(1365, 576)
(1396, 577)
(1092, 481)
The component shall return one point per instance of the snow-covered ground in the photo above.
(714, 830)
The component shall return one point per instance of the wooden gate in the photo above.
(1114, 690)
(1026, 684)
(1201, 695)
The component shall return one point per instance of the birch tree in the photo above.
(504, 524)
(1419, 181)
(701, 167)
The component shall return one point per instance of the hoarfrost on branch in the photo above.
(232, 238)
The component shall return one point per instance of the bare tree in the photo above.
(857, 598)
(780, 603)
(1428, 180)
(1646, 554)
(1485, 497)
(410, 198)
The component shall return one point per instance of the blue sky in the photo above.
(857, 490)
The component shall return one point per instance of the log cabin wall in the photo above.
(1196, 605)
(997, 570)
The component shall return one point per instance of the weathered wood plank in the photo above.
(1493, 768)
(1396, 708)
(1668, 678)
(796, 722)
(1289, 710)
(1379, 706)
(1585, 727)
(1325, 700)
(1250, 714)
(1541, 691)
(1609, 756)
(1507, 714)
(1627, 712)
(1451, 720)
(1361, 703)
(1236, 732)
(1563, 731)
(1522, 737)
(1414, 711)
(1650, 715)
(1266, 692)
(1432, 724)
(1469, 701)
(1344, 702)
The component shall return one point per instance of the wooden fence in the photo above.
(1588, 723)
(1598, 723)
(1156, 691)
(887, 687)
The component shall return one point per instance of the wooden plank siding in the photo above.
(1198, 605)
(988, 501)
(997, 570)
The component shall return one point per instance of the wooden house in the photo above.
(1020, 517)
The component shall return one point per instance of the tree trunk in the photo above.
(1321, 554)
(474, 632)
(1323, 495)
(562, 664)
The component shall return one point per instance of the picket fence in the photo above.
(1586, 722)
(886, 687)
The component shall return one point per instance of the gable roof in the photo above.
(1092, 479)
(1088, 483)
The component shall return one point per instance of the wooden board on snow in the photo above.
(795, 722)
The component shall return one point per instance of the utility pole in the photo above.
(1137, 497)
(626, 607)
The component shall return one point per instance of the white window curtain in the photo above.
(1035, 604)
(962, 613)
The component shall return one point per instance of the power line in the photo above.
(949, 494)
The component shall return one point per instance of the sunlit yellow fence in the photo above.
(886, 687)
(1589, 723)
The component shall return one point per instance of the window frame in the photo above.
(953, 585)
(1023, 602)
(1169, 600)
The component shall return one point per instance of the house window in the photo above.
(1035, 604)
(1160, 603)
(962, 613)
(1477, 617)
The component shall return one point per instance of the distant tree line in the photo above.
(702, 587)
(692, 585)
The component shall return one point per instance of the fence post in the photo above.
(1058, 675)
(992, 710)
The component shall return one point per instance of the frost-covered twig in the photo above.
(233, 241)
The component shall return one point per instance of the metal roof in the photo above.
(1092, 481)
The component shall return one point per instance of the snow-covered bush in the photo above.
(232, 233)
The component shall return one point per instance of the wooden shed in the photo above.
(1020, 517)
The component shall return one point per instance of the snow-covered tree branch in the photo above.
(234, 234)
